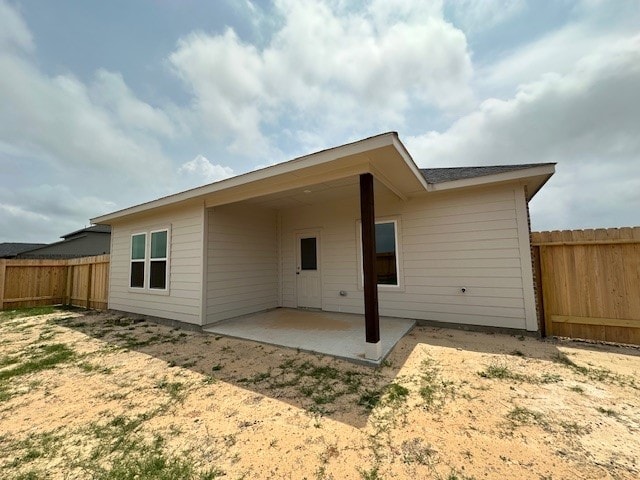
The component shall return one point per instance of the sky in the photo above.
(104, 105)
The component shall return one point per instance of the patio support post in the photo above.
(373, 349)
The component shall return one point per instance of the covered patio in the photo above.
(337, 334)
(305, 238)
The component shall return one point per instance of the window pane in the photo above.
(158, 275)
(308, 258)
(159, 245)
(137, 246)
(137, 274)
(386, 254)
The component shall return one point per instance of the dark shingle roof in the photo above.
(10, 250)
(439, 175)
(92, 228)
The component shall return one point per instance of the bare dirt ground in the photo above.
(87, 395)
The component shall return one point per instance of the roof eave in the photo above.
(285, 168)
(542, 173)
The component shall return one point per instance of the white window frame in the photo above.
(399, 270)
(164, 259)
(139, 260)
(147, 262)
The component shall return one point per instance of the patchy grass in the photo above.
(573, 428)
(9, 360)
(150, 461)
(434, 390)
(370, 474)
(524, 416)
(369, 399)
(40, 358)
(456, 475)
(501, 371)
(595, 373)
(396, 393)
(175, 390)
(35, 446)
(92, 367)
(234, 409)
(577, 389)
(608, 412)
(27, 312)
(129, 455)
(416, 451)
(322, 384)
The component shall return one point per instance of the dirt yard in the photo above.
(110, 397)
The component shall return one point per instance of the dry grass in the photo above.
(105, 396)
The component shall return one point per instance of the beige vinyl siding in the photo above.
(447, 241)
(242, 265)
(184, 298)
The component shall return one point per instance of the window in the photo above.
(308, 257)
(138, 243)
(149, 260)
(387, 256)
(158, 267)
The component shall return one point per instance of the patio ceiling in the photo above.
(344, 188)
(386, 163)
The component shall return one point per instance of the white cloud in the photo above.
(587, 120)
(13, 30)
(556, 52)
(200, 171)
(54, 117)
(479, 15)
(111, 92)
(326, 68)
(43, 213)
(57, 130)
(224, 76)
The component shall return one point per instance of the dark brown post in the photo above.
(370, 280)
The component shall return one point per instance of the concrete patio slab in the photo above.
(337, 334)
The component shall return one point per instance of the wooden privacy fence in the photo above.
(81, 282)
(588, 283)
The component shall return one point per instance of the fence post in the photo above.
(537, 279)
(69, 288)
(89, 275)
(3, 272)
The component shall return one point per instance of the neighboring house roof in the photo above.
(382, 155)
(10, 250)
(449, 174)
(92, 228)
(88, 241)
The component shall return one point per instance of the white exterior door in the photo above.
(308, 281)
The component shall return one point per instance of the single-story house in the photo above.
(358, 228)
(85, 242)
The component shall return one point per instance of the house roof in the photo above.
(382, 155)
(92, 228)
(449, 174)
(10, 249)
